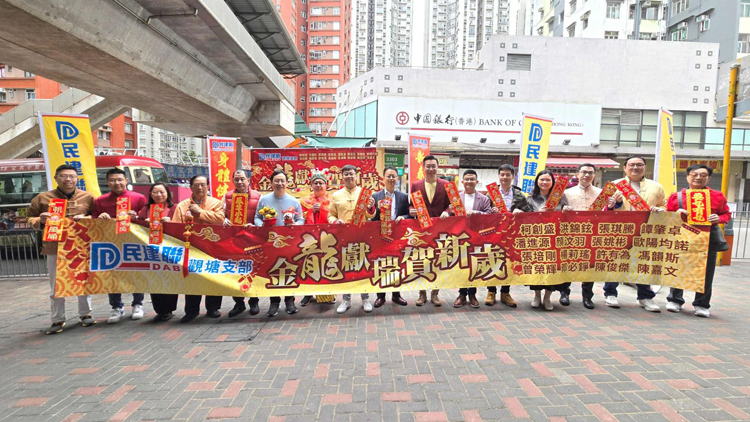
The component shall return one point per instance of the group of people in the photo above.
(338, 208)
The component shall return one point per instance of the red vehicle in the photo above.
(22, 179)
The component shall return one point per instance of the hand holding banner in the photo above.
(698, 206)
(556, 194)
(493, 191)
(422, 215)
(54, 227)
(602, 200)
(458, 206)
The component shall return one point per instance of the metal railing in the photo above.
(740, 229)
(20, 254)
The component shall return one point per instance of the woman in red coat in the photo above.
(315, 211)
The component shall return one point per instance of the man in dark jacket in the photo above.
(399, 211)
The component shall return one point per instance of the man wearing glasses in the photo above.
(653, 193)
(580, 198)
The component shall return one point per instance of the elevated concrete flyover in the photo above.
(192, 66)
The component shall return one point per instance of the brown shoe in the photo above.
(379, 302)
(473, 302)
(460, 301)
(422, 298)
(434, 298)
(506, 299)
(490, 300)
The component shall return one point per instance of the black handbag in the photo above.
(716, 238)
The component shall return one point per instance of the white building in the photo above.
(171, 148)
(603, 96)
(425, 33)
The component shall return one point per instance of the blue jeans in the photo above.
(115, 300)
(644, 290)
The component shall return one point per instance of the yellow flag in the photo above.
(534, 148)
(665, 159)
(66, 139)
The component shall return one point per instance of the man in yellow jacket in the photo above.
(653, 193)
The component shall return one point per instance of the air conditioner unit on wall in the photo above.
(682, 25)
(700, 18)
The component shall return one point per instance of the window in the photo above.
(28, 75)
(104, 135)
(613, 10)
(128, 143)
(303, 28)
(519, 62)
(585, 23)
(680, 34)
(3, 97)
(745, 9)
(573, 4)
(302, 98)
(743, 45)
(572, 30)
(128, 128)
(679, 6)
(704, 23)
(30, 94)
(304, 14)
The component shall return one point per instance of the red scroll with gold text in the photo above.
(636, 201)
(222, 162)
(386, 223)
(458, 206)
(602, 201)
(54, 226)
(556, 194)
(423, 215)
(360, 209)
(238, 213)
(493, 191)
(122, 213)
(542, 248)
(698, 206)
(156, 227)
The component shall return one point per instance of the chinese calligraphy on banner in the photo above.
(298, 164)
(529, 248)
(222, 162)
(419, 148)
(66, 139)
(534, 147)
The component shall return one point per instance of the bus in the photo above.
(22, 179)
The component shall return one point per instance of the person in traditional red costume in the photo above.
(315, 211)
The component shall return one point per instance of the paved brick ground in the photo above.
(405, 364)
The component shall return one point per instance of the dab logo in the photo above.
(535, 134)
(66, 130)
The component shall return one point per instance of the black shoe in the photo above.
(167, 316)
(254, 308)
(188, 317)
(290, 308)
(238, 309)
(159, 318)
(213, 313)
(588, 304)
(55, 328)
(273, 310)
(306, 301)
(564, 299)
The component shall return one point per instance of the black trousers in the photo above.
(393, 295)
(587, 289)
(555, 287)
(277, 299)
(702, 300)
(468, 291)
(164, 303)
(503, 289)
(193, 304)
(241, 299)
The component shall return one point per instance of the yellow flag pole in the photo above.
(733, 72)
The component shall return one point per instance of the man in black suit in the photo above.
(399, 211)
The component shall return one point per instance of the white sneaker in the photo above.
(702, 312)
(366, 305)
(611, 301)
(137, 312)
(674, 307)
(649, 305)
(114, 316)
(536, 302)
(548, 305)
(345, 305)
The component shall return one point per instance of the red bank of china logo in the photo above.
(402, 118)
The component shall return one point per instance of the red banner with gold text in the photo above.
(482, 250)
(222, 162)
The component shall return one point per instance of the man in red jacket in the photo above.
(242, 185)
(438, 203)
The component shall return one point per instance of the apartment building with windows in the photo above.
(17, 86)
